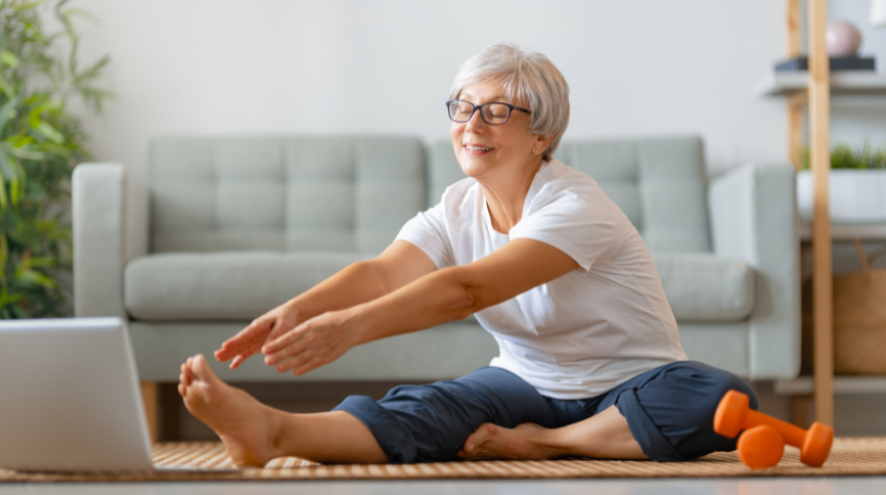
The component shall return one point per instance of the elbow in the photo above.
(466, 305)
(466, 298)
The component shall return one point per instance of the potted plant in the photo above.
(856, 185)
(40, 142)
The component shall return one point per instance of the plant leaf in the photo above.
(6, 112)
(9, 59)
(26, 5)
(3, 201)
(34, 277)
(6, 87)
(4, 255)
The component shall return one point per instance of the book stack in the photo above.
(836, 63)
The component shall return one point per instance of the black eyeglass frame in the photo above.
(474, 108)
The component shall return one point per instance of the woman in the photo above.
(590, 363)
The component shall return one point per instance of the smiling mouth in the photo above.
(471, 147)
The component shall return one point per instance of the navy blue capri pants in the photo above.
(670, 411)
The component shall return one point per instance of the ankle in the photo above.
(276, 423)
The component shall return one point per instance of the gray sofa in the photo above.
(238, 225)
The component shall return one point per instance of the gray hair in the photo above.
(525, 76)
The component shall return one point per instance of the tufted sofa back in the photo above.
(352, 194)
(659, 183)
(348, 194)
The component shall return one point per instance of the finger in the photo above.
(289, 364)
(250, 337)
(279, 329)
(291, 351)
(182, 389)
(228, 351)
(240, 359)
(189, 373)
(258, 326)
(309, 365)
(287, 339)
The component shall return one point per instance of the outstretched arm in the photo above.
(398, 265)
(437, 297)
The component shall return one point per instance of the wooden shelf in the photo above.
(842, 83)
(848, 232)
(805, 385)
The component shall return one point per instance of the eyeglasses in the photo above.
(493, 113)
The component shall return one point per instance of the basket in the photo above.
(859, 319)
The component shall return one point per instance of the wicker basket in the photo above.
(859, 320)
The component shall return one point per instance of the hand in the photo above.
(250, 340)
(312, 344)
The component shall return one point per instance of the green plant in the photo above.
(40, 143)
(844, 156)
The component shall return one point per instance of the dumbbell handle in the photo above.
(793, 435)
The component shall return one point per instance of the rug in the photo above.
(849, 457)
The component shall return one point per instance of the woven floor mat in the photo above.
(849, 457)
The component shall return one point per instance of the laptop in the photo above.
(70, 397)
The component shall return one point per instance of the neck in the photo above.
(506, 194)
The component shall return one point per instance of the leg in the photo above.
(604, 436)
(254, 434)
(430, 423)
(668, 412)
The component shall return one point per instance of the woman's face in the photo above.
(482, 149)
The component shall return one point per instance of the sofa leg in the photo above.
(800, 410)
(149, 399)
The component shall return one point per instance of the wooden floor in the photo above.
(723, 486)
(849, 457)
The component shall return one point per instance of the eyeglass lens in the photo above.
(492, 113)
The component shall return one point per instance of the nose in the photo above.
(475, 123)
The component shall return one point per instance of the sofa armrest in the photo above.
(99, 233)
(754, 218)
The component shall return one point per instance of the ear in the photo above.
(542, 143)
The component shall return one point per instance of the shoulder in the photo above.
(459, 191)
(560, 183)
(459, 199)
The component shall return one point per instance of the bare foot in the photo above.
(248, 428)
(525, 442)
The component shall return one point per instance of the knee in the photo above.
(713, 383)
(726, 381)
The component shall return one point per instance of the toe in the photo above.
(201, 369)
(187, 374)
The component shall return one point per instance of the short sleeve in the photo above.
(577, 219)
(428, 232)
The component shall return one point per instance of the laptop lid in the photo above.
(69, 397)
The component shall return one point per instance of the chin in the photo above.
(470, 167)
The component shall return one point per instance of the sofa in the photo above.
(240, 224)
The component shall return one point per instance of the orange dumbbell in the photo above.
(762, 443)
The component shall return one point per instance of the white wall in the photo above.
(857, 119)
(636, 67)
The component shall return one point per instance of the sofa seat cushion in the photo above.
(237, 286)
(223, 286)
(706, 288)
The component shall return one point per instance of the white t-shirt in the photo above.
(582, 334)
